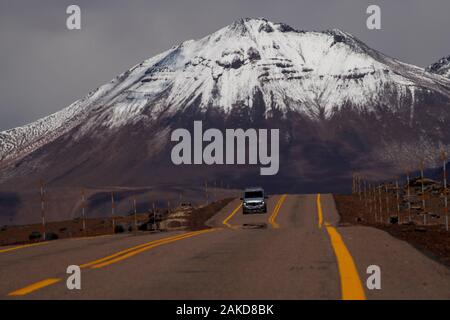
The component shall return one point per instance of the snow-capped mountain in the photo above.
(442, 67)
(315, 73)
(340, 106)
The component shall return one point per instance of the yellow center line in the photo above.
(135, 252)
(225, 222)
(122, 252)
(34, 287)
(23, 246)
(274, 214)
(351, 286)
(119, 256)
(275, 209)
(319, 211)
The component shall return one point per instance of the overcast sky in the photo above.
(44, 67)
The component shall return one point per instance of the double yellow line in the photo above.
(274, 214)
(272, 217)
(110, 259)
(351, 287)
(130, 252)
(34, 287)
(23, 246)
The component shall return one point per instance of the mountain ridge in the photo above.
(441, 67)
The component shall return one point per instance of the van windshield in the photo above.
(253, 194)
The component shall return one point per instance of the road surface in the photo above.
(295, 251)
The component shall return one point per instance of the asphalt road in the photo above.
(295, 251)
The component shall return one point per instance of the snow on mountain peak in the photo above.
(257, 25)
(256, 54)
(309, 72)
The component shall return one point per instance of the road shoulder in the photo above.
(406, 273)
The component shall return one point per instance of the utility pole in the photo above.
(369, 198)
(444, 167)
(83, 210)
(423, 193)
(365, 194)
(113, 205)
(206, 192)
(353, 184)
(359, 187)
(387, 203)
(408, 191)
(149, 209)
(43, 209)
(374, 200)
(379, 205)
(398, 200)
(135, 215)
(154, 216)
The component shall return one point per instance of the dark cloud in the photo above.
(44, 67)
